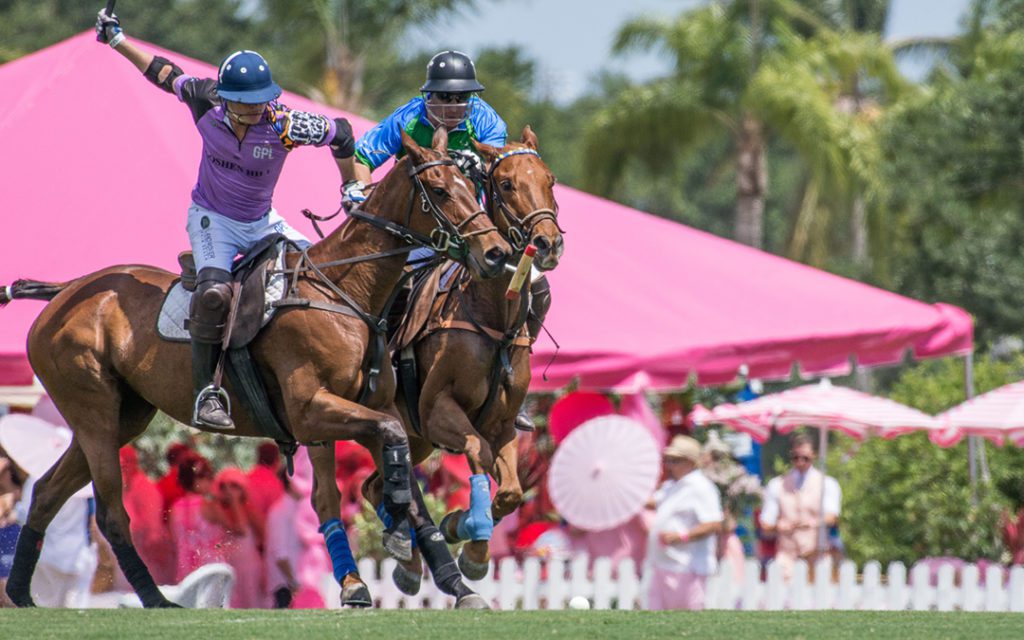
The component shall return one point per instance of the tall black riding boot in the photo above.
(207, 321)
(540, 302)
(212, 407)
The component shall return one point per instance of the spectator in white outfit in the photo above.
(795, 506)
(681, 548)
(69, 556)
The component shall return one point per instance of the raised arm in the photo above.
(159, 71)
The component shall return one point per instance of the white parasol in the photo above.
(34, 444)
(604, 472)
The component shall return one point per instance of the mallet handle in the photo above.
(523, 270)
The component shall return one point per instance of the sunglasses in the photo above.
(444, 96)
(800, 458)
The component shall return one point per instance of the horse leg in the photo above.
(439, 558)
(449, 427)
(327, 504)
(506, 471)
(327, 417)
(408, 575)
(51, 491)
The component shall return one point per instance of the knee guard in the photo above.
(210, 305)
(540, 302)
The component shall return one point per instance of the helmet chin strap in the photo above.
(237, 117)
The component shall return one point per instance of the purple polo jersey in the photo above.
(237, 177)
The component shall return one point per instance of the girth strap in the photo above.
(249, 386)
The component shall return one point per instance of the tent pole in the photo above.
(980, 454)
(823, 467)
(972, 443)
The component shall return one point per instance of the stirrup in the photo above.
(523, 422)
(225, 401)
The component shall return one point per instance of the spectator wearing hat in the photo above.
(681, 548)
(795, 506)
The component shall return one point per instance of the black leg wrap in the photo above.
(138, 576)
(26, 555)
(397, 493)
(439, 559)
(540, 302)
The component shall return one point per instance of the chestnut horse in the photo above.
(458, 352)
(95, 349)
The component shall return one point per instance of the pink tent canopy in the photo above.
(997, 415)
(640, 302)
(818, 405)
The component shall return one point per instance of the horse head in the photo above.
(453, 219)
(521, 198)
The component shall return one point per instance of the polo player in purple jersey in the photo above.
(246, 136)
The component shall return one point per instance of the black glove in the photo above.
(108, 28)
(343, 145)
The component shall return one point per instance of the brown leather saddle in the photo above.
(249, 275)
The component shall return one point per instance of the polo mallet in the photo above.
(523, 270)
(109, 10)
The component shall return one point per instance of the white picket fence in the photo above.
(549, 585)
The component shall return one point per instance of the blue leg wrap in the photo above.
(477, 524)
(385, 519)
(337, 546)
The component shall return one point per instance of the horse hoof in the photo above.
(356, 596)
(398, 544)
(25, 602)
(471, 601)
(165, 604)
(408, 582)
(470, 569)
(448, 524)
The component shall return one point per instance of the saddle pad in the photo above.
(171, 322)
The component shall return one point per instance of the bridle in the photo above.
(520, 230)
(447, 238)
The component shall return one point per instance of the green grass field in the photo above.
(532, 625)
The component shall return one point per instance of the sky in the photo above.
(571, 39)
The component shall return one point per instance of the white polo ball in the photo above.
(579, 602)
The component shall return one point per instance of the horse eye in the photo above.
(506, 185)
(438, 191)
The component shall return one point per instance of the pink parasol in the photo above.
(997, 415)
(573, 409)
(604, 472)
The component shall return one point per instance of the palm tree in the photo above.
(747, 69)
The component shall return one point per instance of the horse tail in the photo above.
(31, 290)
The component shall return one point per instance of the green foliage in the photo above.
(222, 451)
(216, 27)
(906, 498)
(956, 235)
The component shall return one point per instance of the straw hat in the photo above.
(683, 447)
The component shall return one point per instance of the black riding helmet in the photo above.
(451, 72)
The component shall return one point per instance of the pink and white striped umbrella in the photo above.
(818, 405)
(997, 415)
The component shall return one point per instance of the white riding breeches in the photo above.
(216, 239)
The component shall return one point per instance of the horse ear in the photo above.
(414, 150)
(440, 143)
(529, 137)
(486, 151)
